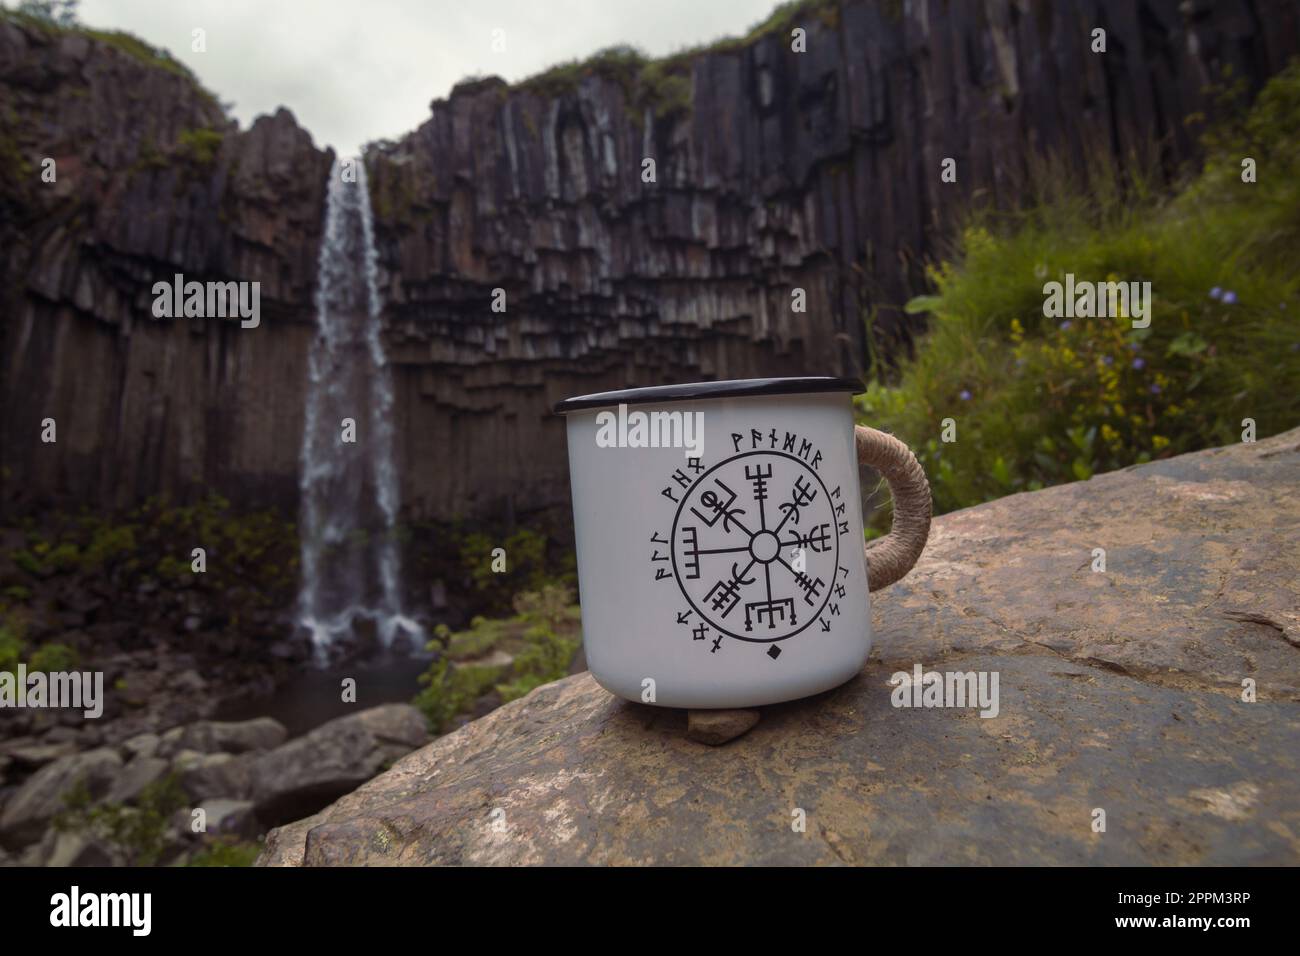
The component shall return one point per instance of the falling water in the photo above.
(351, 566)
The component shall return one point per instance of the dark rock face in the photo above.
(152, 180)
(1164, 692)
(816, 170)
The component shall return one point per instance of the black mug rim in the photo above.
(688, 391)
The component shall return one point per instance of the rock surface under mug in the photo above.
(1119, 691)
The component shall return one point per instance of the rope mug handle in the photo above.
(891, 557)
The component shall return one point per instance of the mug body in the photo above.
(719, 540)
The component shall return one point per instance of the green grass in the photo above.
(126, 43)
(1036, 401)
(661, 86)
(496, 565)
(542, 637)
(54, 657)
(200, 146)
(138, 832)
(251, 558)
(12, 646)
(141, 51)
(49, 657)
(664, 85)
(226, 851)
(551, 638)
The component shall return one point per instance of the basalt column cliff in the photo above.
(775, 169)
(150, 180)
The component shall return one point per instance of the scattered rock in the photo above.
(79, 849)
(137, 687)
(210, 736)
(38, 853)
(169, 744)
(333, 759)
(141, 745)
(715, 727)
(38, 800)
(63, 735)
(207, 776)
(139, 773)
(33, 756)
(231, 818)
(190, 681)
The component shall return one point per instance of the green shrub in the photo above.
(64, 557)
(665, 88)
(251, 557)
(200, 146)
(1037, 401)
(34, 13)
(172, 568)
(226, 851)
(29, 562)
(542, 636)
(12, 645)
(138, 832)
(451, 689)
(549, 650)
(52, 657)
(109, 543)
(143, 52)
(483, 635)
(525, 564)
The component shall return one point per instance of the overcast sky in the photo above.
(357, 70)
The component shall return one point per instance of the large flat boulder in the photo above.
(333, 759)
(212, 736)
(1121, 735)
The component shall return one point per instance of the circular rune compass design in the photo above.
(755, 548)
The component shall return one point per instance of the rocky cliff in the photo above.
(150, 180)
(1163, 691)
(774, 170)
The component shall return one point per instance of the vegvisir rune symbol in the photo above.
(736, 542)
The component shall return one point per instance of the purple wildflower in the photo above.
(1066, 325)
(1107, 360)
(1139, 363)
(1216, 293)
(1229, 298)
(964, 395)
(1155, 389)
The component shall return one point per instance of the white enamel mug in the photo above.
(719, 538)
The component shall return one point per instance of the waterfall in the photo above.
(351, 563)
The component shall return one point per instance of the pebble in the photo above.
(716, 727)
